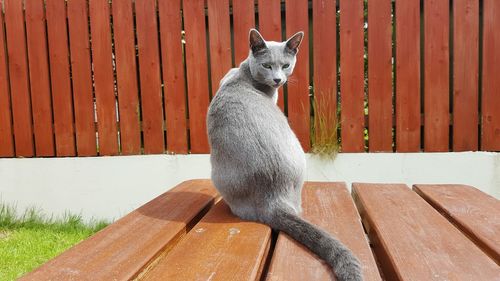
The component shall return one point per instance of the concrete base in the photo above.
(110, 187)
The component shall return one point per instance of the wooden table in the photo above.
(433, 232)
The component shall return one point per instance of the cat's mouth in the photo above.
(277, 85)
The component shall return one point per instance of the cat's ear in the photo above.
(293, 43)
(257, 43)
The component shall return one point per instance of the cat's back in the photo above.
(245, 124)
(237, 101)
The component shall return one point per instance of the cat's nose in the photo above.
(277, 80)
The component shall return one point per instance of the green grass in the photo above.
(28, 240)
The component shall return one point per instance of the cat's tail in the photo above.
(345, 265)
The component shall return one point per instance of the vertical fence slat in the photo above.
(197, 73)
(325, 66)
(62, 101)
(465, 76)
(437, 75)
(6, 134)
(220, 40)
(19, 85)
(173, 75)
(380, 76)
(126, 76)
(352, 75)
(243, 21)
(82, 78)
(39, 77)
(490, 139)
(100, 31)
(408, 75)
(270, 28)
(150, 80)
(298, 84)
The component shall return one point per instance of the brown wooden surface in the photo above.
(102, 86)
(436, 76)
(149, 67)
(220, 247)
(352, 118)
(122, 249)
(197, 73)
(325, 66)
(220, 41)
(408, 76)
(6, 136)
(490, 138)
(412, 241)
(328, 205)
(380, 76)
(18, 74)
(243, 20)
(103, 76)
(62, 98)
(126, 77)
(174, 90)
(41, 104)
(81, 70)
(270, 28)
(465, 74)
(298, 83)
(472, 211)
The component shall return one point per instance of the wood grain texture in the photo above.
(126, 77)
(243, 21)
(6, 133)
(270, 28)
(490, 130)
(220, 247)
(470, 210)
(103, 77)
(352, 118)
(325, 66)
(18, 74)
(297, 19)
(173, 75)
(414, 242)
(220, 40)
(408, 76)
(329, 206)
(465, 75)
(127, 246)
(62, 98)
(41, 104)
(81, 69)
(380, 110)
(436, 76)
(197, 73)
(149, 67)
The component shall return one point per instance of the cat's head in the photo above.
(272, 62)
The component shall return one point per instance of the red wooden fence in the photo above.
(90, 77)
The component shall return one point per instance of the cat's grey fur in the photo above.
(258, 165)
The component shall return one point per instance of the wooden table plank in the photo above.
(329, 206)
(414, 242)
(220, 247)
(124, 248)
(475, 213)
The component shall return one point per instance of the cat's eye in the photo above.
(268, 66)
(285, 66)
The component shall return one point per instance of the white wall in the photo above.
(110, 187)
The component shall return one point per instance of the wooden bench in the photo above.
(188, 233)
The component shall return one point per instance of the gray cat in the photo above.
(258, 165)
